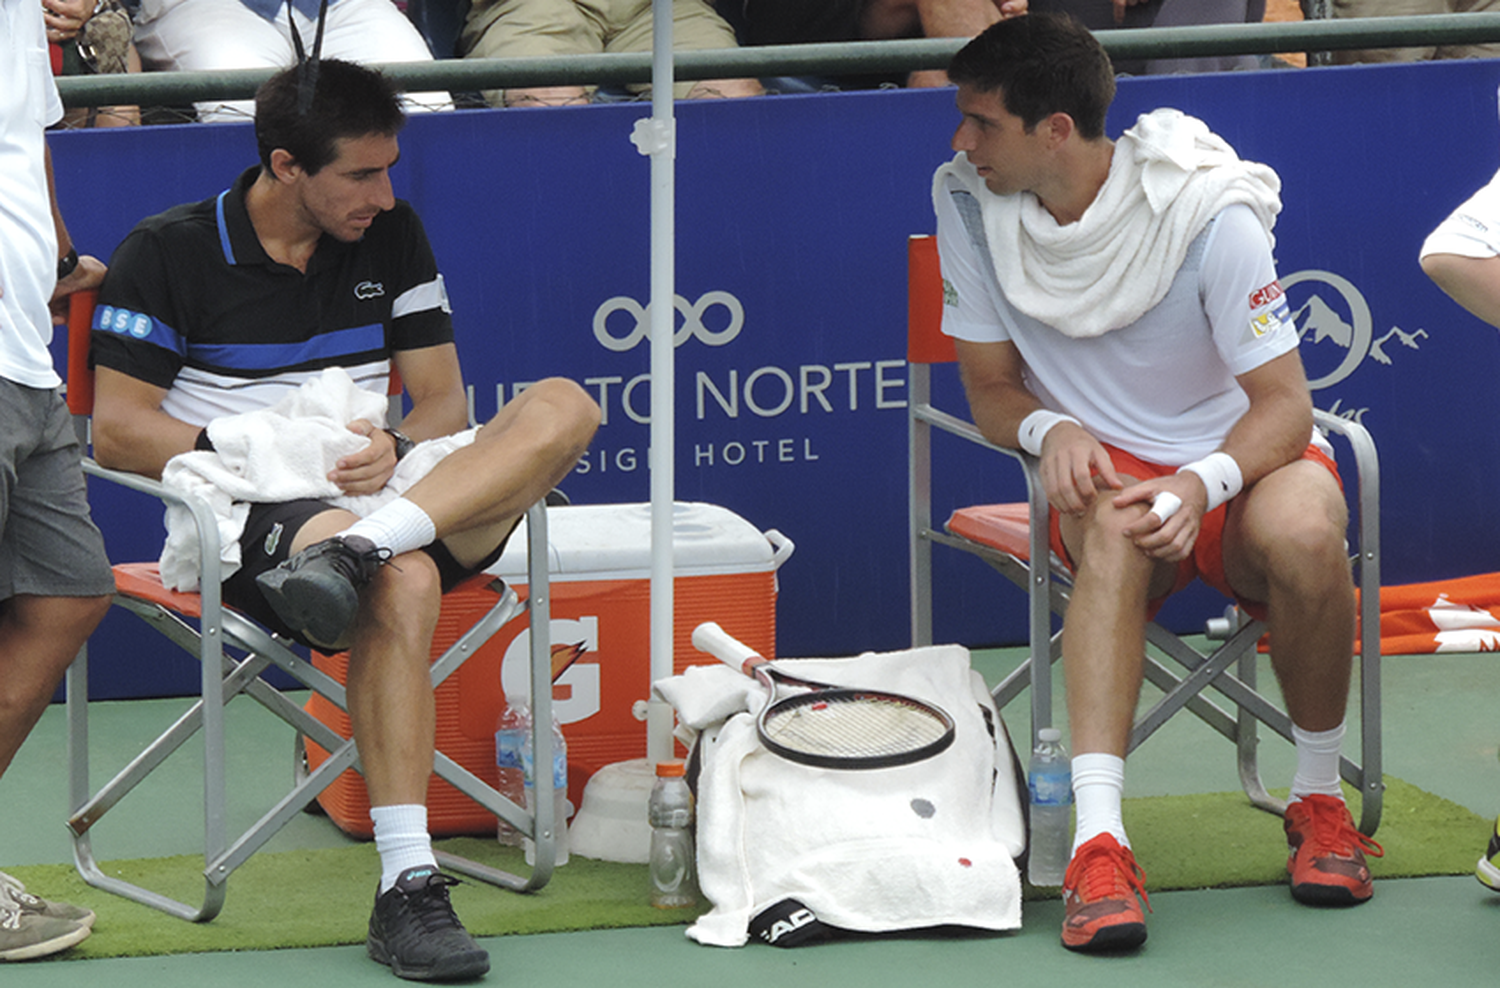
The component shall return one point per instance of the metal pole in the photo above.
(657, 137)
(845, 58)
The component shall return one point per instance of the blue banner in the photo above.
(792, 219)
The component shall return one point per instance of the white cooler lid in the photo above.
(613, 542)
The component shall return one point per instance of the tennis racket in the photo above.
(830, 726)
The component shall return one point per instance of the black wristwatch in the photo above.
(404, 443)
(67, 264)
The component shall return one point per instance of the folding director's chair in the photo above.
(1004, 537)
(233, 652)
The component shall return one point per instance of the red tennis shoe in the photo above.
(1100, 889)
(1327, 853)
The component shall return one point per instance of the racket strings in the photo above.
(858, 726)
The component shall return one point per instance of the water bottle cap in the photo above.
(671, 769)
(1049, 734)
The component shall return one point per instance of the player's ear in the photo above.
(1059, 127)
(284, 167)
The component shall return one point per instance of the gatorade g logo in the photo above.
(575, 691)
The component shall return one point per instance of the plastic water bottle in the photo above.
(1050, 781)
(673, 883)
(559, 792)
(510, 736)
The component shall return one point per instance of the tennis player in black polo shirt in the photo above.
(224, 306)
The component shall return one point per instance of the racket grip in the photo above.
(710, 638)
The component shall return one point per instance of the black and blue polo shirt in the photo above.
(192, 303)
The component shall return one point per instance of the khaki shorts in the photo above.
(534, 28)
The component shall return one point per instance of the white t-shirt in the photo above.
(1471, 230)
(1163, 387)
(28, 241)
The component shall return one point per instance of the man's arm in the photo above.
(1472, 282)
(1272, 433)
(90, 270)
(999, 402)
(131, 432)
(439, 407)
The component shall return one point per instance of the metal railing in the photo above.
(848, 58)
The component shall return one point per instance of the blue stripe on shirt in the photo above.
(274, 356)
(138, 326)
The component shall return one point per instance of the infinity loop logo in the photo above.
(692, 321)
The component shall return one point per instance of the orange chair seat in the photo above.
(1006, 527)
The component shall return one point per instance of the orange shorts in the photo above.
(1206, 561)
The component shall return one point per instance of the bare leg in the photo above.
(1284, 544)
(475, 495)
(1104, 632)
(39, 638)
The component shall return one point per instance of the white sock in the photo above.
(1098, 787)
(400, 526)
(402, 840)
(1317, 763)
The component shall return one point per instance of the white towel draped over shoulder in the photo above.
(916, 846)
(281, 453)
(1169, 176)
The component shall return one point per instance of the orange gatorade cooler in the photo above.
(600, 562)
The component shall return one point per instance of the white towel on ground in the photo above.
(879, 850)
(1169, 176)
(281, 453)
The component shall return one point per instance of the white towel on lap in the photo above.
(1169, 176)
(280, 453)
(901, 848)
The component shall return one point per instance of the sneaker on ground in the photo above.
(316, 592)
(414, 931)
(36, 904)
(1326, 853)
(1488, 869)
(1103, 889)
(26, 935)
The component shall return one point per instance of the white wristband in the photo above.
(1220, 475)
(1034, 428)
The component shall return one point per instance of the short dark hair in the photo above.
(348, 101)
(1041, 64)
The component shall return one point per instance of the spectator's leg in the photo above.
(205, 35)
(375, 32)
(1386, 8)
(529, 28)
(883, 19)
(695, 27)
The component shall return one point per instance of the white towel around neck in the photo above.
(1169, 176)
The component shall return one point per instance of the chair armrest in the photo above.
(204, 520)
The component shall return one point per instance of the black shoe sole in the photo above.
(464, 966)
(1121, 936)
(321, 614)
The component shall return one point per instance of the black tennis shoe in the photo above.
(316, 592)
(414, 931)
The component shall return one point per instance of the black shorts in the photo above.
(267, 539)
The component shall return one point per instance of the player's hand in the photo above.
(1120, 6)
(87, 275)
(368, 470)
(1011, 8)
(1182, 498)
(1074, 467)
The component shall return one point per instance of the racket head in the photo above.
(854, 729)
